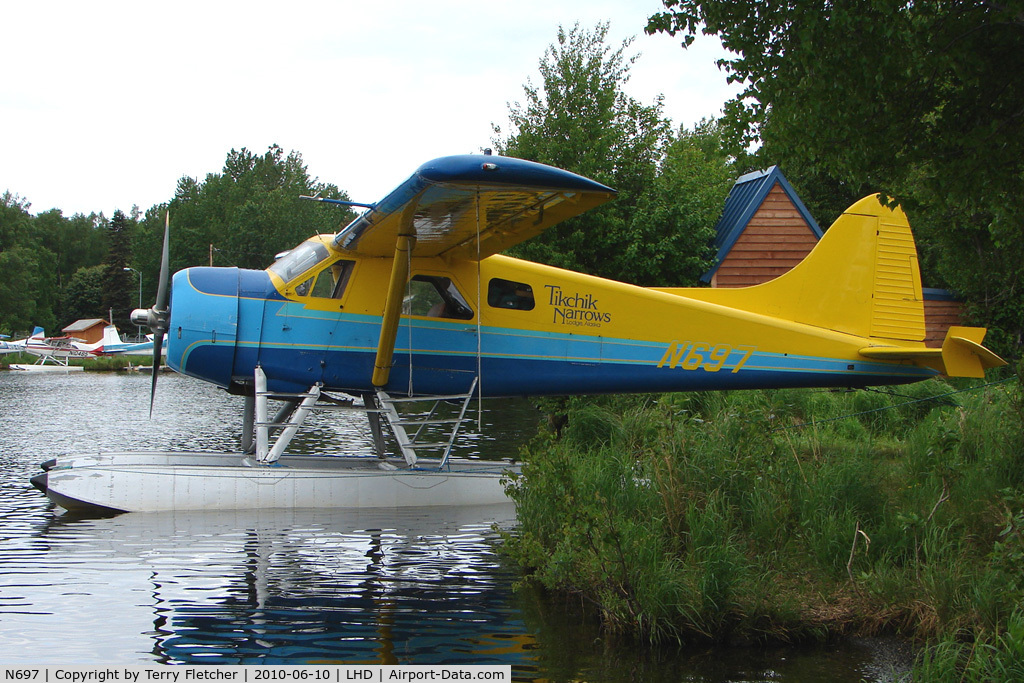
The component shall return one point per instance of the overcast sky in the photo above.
(105, 105)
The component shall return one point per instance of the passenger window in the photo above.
(508, 294)
(435, 297)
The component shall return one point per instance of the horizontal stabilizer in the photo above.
(964, 356)
(901, 353)
(961, 355)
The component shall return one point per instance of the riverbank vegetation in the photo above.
(789, 515)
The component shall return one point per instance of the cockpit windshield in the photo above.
(299, 260)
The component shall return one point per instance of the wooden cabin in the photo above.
(89, 330)
(765, 230)
(941, 311)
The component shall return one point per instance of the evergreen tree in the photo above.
(27, 289)
(247, 213)
(119, 285)
(76, 242)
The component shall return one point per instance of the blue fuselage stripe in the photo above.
(298, 347)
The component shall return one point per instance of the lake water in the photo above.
(298, 587)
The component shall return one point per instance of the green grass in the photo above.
(788, 515)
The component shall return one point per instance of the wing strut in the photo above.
(404, 244)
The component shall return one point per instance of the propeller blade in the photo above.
(156, 318)
(158, 342)
(165, 258)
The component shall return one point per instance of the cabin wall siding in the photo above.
(775, 239)
(88, 331)
(939, 316)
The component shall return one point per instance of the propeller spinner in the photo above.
(156, 318)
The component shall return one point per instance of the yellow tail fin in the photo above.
(861, 278)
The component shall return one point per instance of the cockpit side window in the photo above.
(329, 283)
(299, 260)
(433, 296)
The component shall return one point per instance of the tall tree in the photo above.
(84, 295)
(671, 236)
(18, 309)
(255, 210)
(14, 220)
(76, 242)
(119, 285)
(242, 216)
(580, 119)
(27, 290)
(919, 100)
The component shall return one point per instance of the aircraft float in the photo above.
(413, 300)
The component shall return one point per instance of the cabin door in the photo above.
(436, 348)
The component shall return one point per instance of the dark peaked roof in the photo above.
(84, 324)
(745, 198)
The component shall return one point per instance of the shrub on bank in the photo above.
(786, 514)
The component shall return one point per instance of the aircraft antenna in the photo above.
(336, 202)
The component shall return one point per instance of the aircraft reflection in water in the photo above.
(413, 299)
(374, 587)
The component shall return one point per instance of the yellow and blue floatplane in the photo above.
(413, 300)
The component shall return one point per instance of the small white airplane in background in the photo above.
(16, 346)
(55, 350)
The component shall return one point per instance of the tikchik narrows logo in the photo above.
(575, 308)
